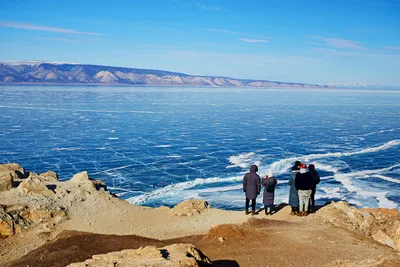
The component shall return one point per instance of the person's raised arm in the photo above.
(264, 180)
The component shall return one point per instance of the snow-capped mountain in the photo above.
(67, 72)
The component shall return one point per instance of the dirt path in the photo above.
(264, 242)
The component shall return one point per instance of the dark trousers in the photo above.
(313, 197)
(271, 208)
(253, 204)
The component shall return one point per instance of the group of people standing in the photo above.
(302, 184)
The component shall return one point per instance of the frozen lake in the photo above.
(158, 146)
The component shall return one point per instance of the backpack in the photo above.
(270, 187)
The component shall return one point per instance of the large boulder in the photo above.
(15, 218)
(177, 255)
(33, 184)
(81, 177)
(6, 223)
(14, 169)
(6, 181)
(383, 225)
(82, 180)
(8, 173)
(48, 176)
(190, 207)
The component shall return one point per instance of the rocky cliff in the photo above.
(65, 73)
(79, 222)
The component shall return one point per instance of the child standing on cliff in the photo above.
(269, 182)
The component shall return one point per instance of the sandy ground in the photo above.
(125, 218)
(278, 240)
(103, 214)
(107, 223)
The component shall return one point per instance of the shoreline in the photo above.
(212, 88)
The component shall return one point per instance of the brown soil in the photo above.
(72, 246)
(258, 242)
(279, 243)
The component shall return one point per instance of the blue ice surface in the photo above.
(159, 146)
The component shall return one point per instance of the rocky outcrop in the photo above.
(190, 207)
(8, 173)
(383, 226)
(41, 201)
(48, 176)
(15, 218)
(83, 179)
(12, 167)
(179, 255)
(6, 181)
(34, 184)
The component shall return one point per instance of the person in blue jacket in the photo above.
(293, 195)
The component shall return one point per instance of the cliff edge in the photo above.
(46, 222)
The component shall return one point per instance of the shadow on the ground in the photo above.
(280, 206)
(277, 208)
(225, 263)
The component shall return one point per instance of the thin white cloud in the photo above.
(397, 48)
(340, 43)
(314, 43)
(253, 41)
(59, 40)
(325, 49)
(209, 7)
(222, 31)
(32, 27)
(158, 46)
(349, 53)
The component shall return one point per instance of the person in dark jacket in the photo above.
(269, 183)
(304, 184)
(293, 194)
(251, 186)
(316, 179)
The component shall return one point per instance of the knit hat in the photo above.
(303, 168)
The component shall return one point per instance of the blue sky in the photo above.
(324, 41)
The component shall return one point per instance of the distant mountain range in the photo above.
(73, 73)
(358, 85)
